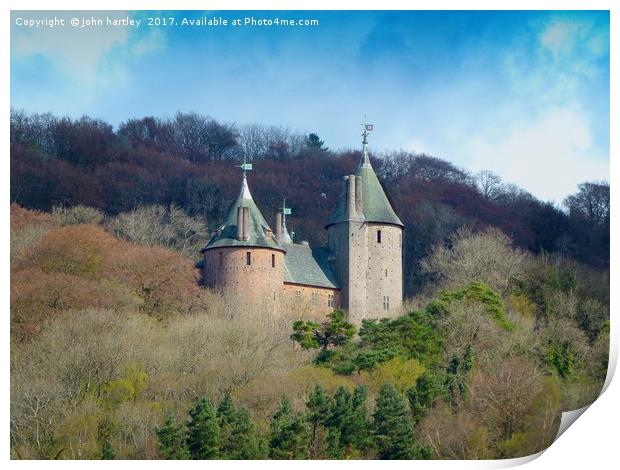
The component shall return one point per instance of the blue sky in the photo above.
(525, 94)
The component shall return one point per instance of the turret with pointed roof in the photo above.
(375, 205)
(259, 232)
(365, 239)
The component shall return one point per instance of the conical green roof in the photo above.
(259, 232)
(376, 206)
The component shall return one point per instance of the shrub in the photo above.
(485, 257)
(76, 215)
(160, 226)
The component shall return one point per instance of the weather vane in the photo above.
(245, 166)
(366, 128)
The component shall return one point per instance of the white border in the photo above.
(591, 443)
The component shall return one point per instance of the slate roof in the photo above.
(309, 266)
(376, 206)
(259, 232)
(302, 264)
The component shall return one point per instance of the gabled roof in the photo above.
(308, 266)
(376, 206)
(260, 234)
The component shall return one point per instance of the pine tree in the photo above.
(203, 440)
(393, 431)
(104, 432)
(289, 434)
(347, 422)
(341, 409)
(226, 415)
(422, 397)
(107, 452)
(358, 430)
(244, 442)
(226, 410)
(318, 412)
(172, 441)
(333, 447)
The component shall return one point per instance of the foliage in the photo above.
(334, 332)
(289, 438)
(203, 437)
(393, 429)
(113, 341)
(422, 397)
(172, 441)
(476, 291)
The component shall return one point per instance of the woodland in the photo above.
(117, 351)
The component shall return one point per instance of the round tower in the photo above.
(243, 259)
(365, 239)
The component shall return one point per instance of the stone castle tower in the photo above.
(365, 239)
(359, 271)
(243, 258)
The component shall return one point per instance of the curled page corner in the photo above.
(568, 418)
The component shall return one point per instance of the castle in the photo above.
(360, 270)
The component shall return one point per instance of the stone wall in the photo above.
(384, 275)
(250, 285)
(301, 302)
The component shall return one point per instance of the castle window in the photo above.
(248, 258)
(330, 300)
(378, 236)
(315, 299)
(386, 303)
(298, 296)
(386, 273)
(273, 261)
(221, 259)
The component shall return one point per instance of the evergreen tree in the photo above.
(339, 421)
(172, 441)
(203, 440)
(226, 410)
(422, 397)
(104, 432)
(289, 434)
(347, 422)
(244, 442)
(333, 448)
(226, 416)
(457, 374)
(335, 332)
(318, 412)
(358, 430)
(314, 143)
(392, 427)
(107, 452)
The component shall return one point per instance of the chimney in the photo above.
(246, 224)
(239, 223)
(350, 196)
(359, 204)
(279, 227)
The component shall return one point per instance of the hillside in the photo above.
(117, 353)
(189, 161)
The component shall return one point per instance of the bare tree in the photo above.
(489, 184)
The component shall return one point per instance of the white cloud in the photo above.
(548, 155)
(563, 36)
(95, 56)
